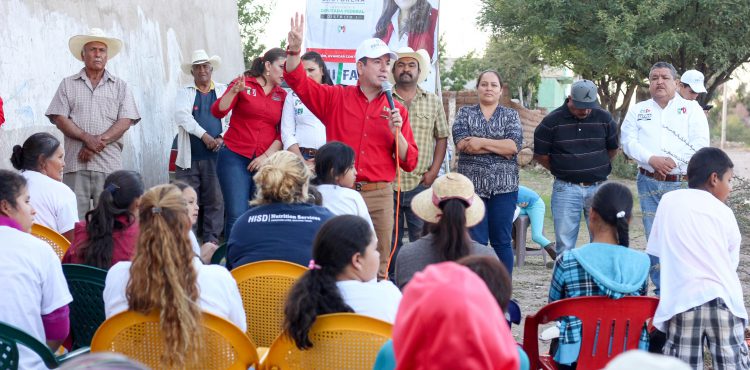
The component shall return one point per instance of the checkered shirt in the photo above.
(570, 280)
(428, 123)
(94, 110)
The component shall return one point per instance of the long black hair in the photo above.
(315, 57)
(332, 160)
(316, 293)
(37, 148)
(121, 189)
(450, 236)
(258, 67)
(614, 204)
(419, 17)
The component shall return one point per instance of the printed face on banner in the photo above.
(334, 28)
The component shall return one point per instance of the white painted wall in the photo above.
(157, 36)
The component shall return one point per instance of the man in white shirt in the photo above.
(691, 85)
(661, 134)
(199, 138)
(697, 239)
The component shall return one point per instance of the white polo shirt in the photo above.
(344, 201)
(55, 204)
(649, 130)
(33, 285)
(697, 240)
(372, 298)
(299, 126)
(219, 294)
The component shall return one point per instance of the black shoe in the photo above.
(551, 250)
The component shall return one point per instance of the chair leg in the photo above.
(520, 240)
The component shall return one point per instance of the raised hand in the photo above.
(240, 84)
(294, 38)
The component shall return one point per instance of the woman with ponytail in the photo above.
(449, 208)
(109, 233)
(256, 100)
(282, 224)
(41, 162)
(166, 275)
(342, 278)
(604, 267)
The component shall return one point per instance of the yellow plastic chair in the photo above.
(341, 341)
(139, 337)
(58, 242)
(264, 286)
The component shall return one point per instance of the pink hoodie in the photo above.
(448, 319)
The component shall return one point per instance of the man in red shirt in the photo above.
(360, 116)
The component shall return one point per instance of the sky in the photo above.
(457, 24)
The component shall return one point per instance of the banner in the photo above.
(334, 28)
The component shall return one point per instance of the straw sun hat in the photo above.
(76, 43)
(451, 186)
(423, 59)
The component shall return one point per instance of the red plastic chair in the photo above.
(620, 322)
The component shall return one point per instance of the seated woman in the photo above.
(281, 225)
(342, 278)
(34, 297)
(450, 206)
(41, 162)
(604, 267)
(166, 275)
(206, 250)
(110, 231)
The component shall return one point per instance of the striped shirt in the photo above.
(577, 149)
(491, 173)
(428, 123)
(94, 110)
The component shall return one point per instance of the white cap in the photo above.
(373, 48)
(694, 79)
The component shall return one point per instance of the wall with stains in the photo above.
(157, 37)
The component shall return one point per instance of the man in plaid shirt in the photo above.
(430, 130)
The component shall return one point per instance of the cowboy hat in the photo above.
(199, 57)
(422, 59)
(76, 43)
(453, 185)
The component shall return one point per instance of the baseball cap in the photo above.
(584, 95)
(373, 48)
(694, 79)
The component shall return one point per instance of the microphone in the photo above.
(388, 90)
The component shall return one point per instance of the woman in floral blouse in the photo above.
(488, 137)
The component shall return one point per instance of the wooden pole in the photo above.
(724, 118)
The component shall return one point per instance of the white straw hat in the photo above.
(76, 43)
(422, 58)
(450, 186)
(199, 57)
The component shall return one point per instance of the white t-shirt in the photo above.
(697, 240)
(33, 285)
(55, 204)
(194, 243)
(299, 126)
(375, 299)
(219, 294)
(344, 201)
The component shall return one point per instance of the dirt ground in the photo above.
(531, 281)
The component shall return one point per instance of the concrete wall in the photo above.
(157, 37)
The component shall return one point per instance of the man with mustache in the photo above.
(360, 116)
(661, 134)
(94, 109)
(430, 129)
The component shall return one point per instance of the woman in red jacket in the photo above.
(256, 100)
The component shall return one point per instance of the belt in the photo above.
(310, 152)
(370, 186)
(670, 178)
(584, 184)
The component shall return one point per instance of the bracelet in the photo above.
(291, 52)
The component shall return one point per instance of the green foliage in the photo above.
(464, 69)
(737, 129)
(615, 42)
(253, 16)
(623, 167)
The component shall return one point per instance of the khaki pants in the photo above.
(380, 205)
(87, 185)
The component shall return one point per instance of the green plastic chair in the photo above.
(11, 337)
(220, 256)
(86, 284)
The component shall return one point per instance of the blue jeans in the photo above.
(536, 211)
(496, 226)
(650, 192)
(567, 203)
(237, 185)
(406, 217)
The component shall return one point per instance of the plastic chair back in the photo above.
(264, 287)
(51, 237)
(86, 284)
(139, 337)
(619, 323)
(11, 337)
(340, 341)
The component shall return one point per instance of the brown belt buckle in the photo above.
(358, 186)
